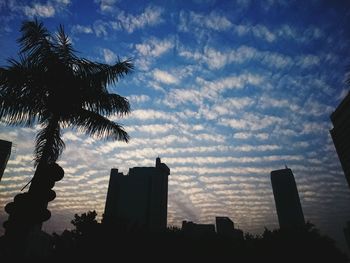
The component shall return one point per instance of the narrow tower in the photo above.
(139, 199)
(340, 134)
(289, 211)
(5, 152)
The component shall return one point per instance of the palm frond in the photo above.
(22, 95)
(111, 74)
(48, 144)
(94, 124)
(100, 75)
(35, 39)
(63, 48)
(107, 104)
(18, 109)
(17, 112)
(20, 76)
(19, 101)
(14, 77)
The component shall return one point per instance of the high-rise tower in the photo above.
(289, 211)
(139, 199)
(5, 152)
(341, 134)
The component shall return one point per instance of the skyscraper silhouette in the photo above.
(289, 211)
(5, 152)
(340, 134)
(139, 199)
(347, 233)
(226, 227)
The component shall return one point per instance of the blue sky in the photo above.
(223, 91)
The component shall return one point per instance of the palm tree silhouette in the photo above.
(49, 85)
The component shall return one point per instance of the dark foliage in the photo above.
(92, 240)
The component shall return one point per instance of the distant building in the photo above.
(5, 152)
(341, 134)
(289, 211)
(225, 227)
(347, 234)
(139, 199)
(193, 229)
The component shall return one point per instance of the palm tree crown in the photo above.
(51, 86)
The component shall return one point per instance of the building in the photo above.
(197, 230)
(225, 227)
(347, 233)
(139, 199)
(5, 152)
(289, 211)
(340, 134)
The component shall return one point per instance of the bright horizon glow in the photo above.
(223, 91)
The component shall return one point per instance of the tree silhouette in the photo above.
(84, 223)
(51, 86)
(90, 240)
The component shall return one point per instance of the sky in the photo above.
(223, 91)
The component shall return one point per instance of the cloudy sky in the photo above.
(223, 91)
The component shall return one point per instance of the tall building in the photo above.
(347, 233)
(5, 152)
(289, 211)
(225, 227)
(341, 134)
(139, 199)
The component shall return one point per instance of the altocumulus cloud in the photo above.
(222, 95)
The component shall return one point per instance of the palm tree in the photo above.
(50, 86)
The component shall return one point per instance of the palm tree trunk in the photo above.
(29, 210)
(42, 180)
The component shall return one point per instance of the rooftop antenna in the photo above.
(286, 166)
